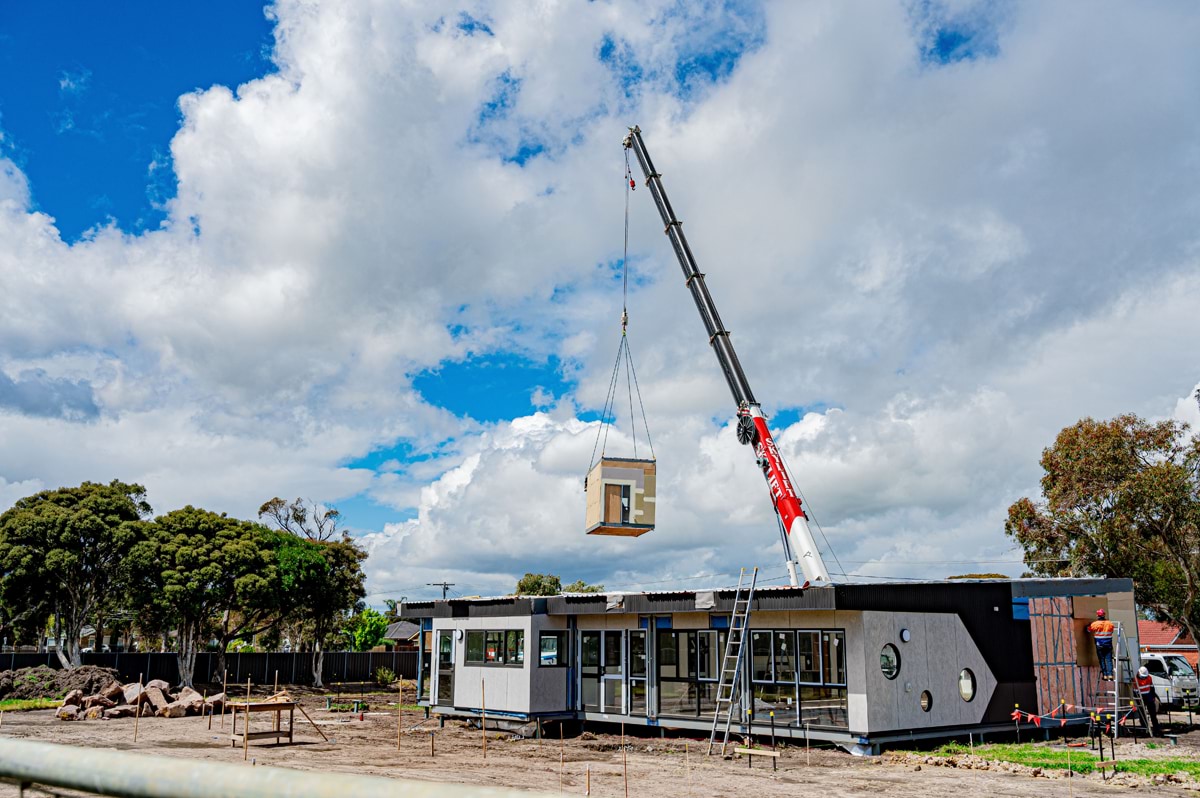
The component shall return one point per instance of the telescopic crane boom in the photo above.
(752, 424)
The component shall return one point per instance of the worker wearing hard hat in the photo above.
(1145, 686)
(1101, 630)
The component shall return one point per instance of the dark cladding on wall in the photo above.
(986, 608)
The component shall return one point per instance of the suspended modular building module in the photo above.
(620, 497)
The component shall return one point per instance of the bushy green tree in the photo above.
(366, 629)
(207, 573)
(1120, 498)
(63, 552)
(326, 594)
(580, 586)
(539, 585)
(326, 583)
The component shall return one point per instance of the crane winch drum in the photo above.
(620, 497)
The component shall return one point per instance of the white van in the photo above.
(1174, 678)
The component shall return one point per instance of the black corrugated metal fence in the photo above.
(259, 668)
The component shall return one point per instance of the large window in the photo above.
(552, 648)
(799, 676)
(496, 647)
(689, 665)
(774, 656)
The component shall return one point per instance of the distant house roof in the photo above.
(402, 630)
(1156, 633)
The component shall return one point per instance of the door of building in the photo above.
(445, 668)
(613, 676)
(602, 671)
(590, 668)
(637, 672)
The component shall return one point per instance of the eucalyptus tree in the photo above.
(63, 555)
(1120, 498)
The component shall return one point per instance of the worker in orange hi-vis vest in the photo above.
(1145, 686)
(1102, 630)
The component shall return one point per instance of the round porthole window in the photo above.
(966, 684)
(889, 661)
(926, 701)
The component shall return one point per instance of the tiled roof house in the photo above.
(1164, 638)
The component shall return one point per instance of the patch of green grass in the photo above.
(1036, 756)
(23, 704)
(1153, 767)
(1039, 756)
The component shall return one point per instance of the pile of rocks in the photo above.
(44, 682)
(125, 701)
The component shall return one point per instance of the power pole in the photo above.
(445, 586)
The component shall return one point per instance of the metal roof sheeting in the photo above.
(932, 595)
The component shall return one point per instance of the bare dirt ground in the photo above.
(656, 767)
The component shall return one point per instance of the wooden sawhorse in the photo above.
(276, 733)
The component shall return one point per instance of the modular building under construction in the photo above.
(861, 665)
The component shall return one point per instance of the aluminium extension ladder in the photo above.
(1123, 672)
(729, 689)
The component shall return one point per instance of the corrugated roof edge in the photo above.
(812, 597)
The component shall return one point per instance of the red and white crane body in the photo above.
(752, 424)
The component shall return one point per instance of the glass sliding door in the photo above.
(709, 649)
(825, 705)
(589, 670)
(613, 675)
(602, 670)
(637, 672)
(445, 668)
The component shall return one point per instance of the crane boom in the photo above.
(752, 424)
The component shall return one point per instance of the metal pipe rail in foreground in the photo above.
(128, 775)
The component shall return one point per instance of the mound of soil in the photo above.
(43, 682)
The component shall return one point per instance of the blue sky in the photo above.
(89, 91)
(89, 120)
(380, 274)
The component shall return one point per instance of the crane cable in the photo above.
(623, 352)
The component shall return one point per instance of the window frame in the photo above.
(815, 636)
(896, 661)
(562, 657)
(770, 637)
(501, 656)
(974, 684)
(481, 636)
(830, 655)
